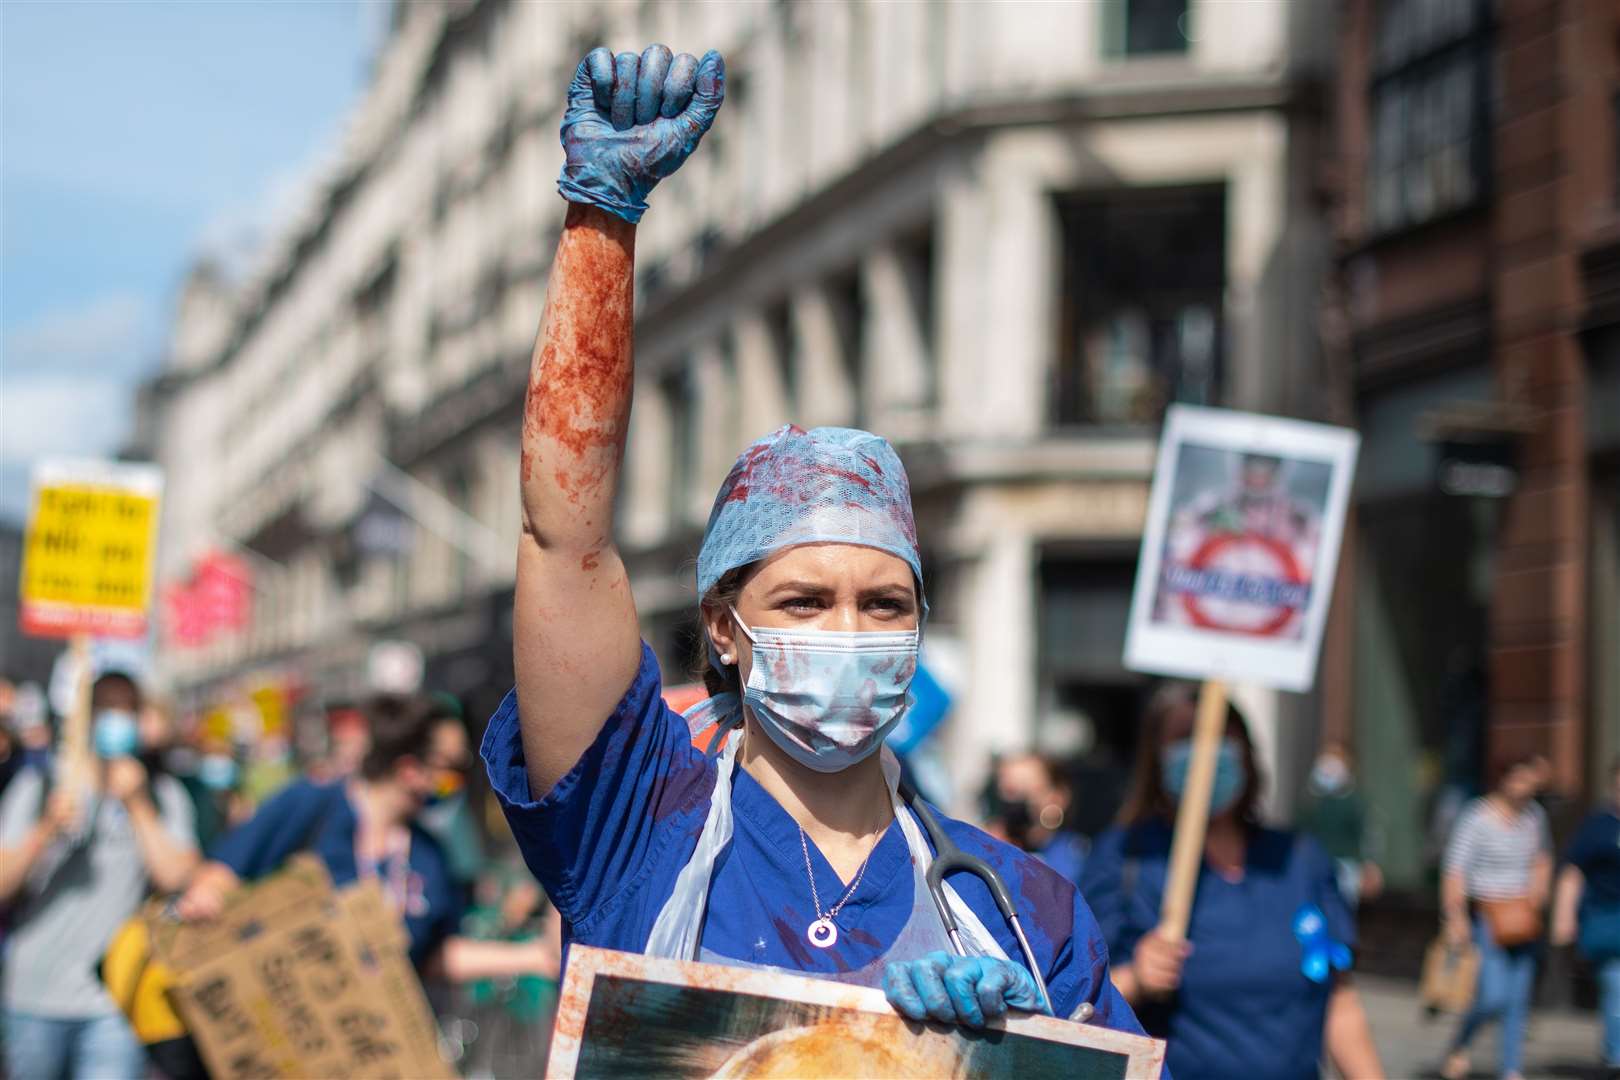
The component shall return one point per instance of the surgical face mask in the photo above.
(828, 698)
(1230, 775)
(217, 772)
(115, 733)
(1330, 775)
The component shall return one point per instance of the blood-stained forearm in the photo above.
(630, 122)
(575, 632)
(578, 403)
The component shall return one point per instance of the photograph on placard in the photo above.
(624, 1014)
(1241, 547)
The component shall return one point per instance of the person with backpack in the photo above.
(75, 863)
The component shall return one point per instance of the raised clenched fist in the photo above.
(631, 121)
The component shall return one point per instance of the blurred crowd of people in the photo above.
(172, 811)
(185, 814)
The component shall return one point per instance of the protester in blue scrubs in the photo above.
(1260, 989)
(788, 848)
(365, 827)
(1587, 912)
(1029, 800)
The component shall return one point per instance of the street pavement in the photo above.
(1561, 1043)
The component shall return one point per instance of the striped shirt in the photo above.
(1495, 856)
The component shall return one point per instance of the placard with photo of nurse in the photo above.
(1240, 548)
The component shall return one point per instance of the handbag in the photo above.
(1511, 922)
(1450, 976)
(1599, 936)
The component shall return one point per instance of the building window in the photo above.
(1090, 706)
(1429, 150)
(1145, 27)
(916, 253)
(1140, 319)
(680, 400)
(785, 343)
(1614, 137)
(849, 314)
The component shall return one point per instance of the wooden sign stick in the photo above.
(76, 769)
(1192, 817)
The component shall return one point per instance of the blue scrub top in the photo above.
(1596, 852)
(1065, 853)
(609, 840)
(319, 818)
(1245, 1010)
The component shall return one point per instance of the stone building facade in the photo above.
(1003, 235)
(1479, 235)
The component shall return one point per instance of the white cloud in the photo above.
(42, 415)
(108, 337)
(236, 237)
(66, 387)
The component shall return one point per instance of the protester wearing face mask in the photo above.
(365, 827)
(1333, 814)
(211, 777)
(1260, 989)
(1030, 809)
(787, 848)
(77, 863)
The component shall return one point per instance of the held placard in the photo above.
(89, 547)
(1241, 548)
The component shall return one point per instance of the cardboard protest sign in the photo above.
(1240, 549)
(87, 556)
(297, 980)
(623, 1014)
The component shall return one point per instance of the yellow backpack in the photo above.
(139, 984)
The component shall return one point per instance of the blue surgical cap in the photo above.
(826, 485)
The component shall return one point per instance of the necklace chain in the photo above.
(815, 897)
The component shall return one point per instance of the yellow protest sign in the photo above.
(87, 556)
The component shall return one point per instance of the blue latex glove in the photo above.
(959, 989)
(632, 120)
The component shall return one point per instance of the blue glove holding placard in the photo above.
(959, 989)
(632, 120)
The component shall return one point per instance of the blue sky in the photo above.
(132, 137)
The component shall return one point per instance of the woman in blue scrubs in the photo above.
(1260, 988)
(789, 848)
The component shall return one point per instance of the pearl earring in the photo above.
(725, 658)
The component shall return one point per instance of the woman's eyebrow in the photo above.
(799, 587)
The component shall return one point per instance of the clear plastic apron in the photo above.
(678, 930)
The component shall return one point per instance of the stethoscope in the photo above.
(947, 858)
